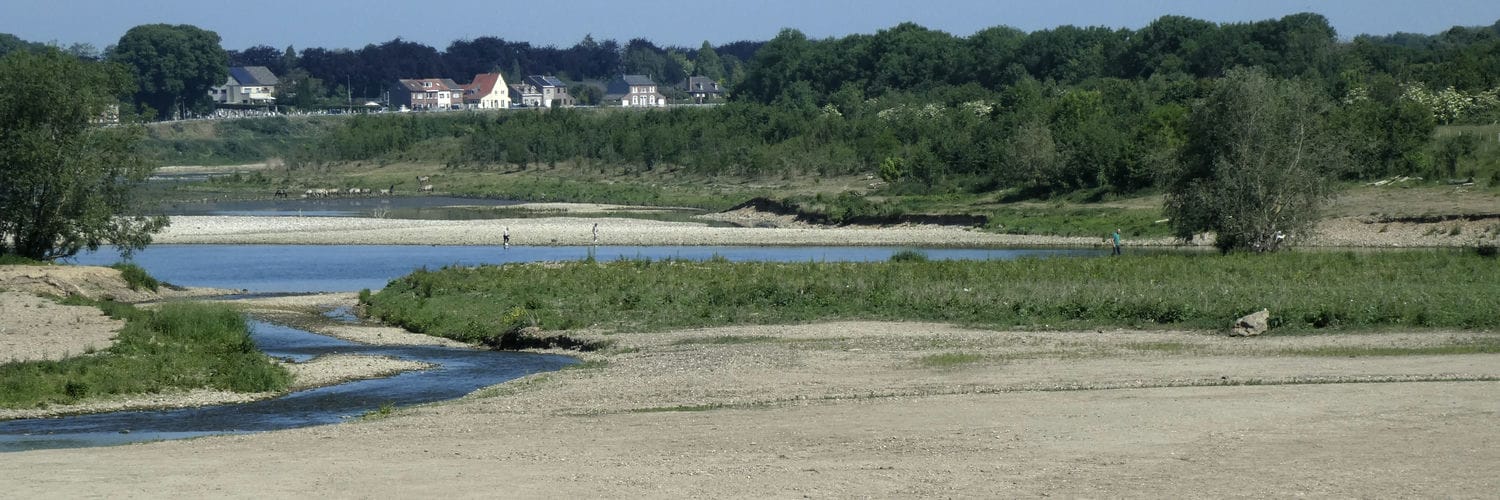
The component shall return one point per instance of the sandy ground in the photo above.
(34, 327)
(854, 409)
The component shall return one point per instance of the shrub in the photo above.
(135, 277)
(909, 255)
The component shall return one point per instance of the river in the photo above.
(281, 269)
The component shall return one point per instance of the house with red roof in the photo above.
(487, 91)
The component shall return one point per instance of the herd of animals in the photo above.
(424, 183)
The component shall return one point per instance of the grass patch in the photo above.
(1305, 291)
(909, 255)
(592, 364)
(949, 360)
(136, 277)
(17, 260)
(179, 346)
(386, 409)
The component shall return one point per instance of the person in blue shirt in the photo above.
(1116, 237)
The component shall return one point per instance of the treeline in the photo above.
(909, 57)
(369, 71)
(1034, 137)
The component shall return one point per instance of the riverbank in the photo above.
(578, 230)
(885, 409)
(37, 328)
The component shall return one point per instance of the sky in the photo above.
(328, 24)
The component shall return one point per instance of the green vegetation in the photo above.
(232, 142)
(909, 255)
(1304, 291)
(177, 347)
(1261, 163)
(67, 183)
(173, 66)
(17, 260)
(136, 277)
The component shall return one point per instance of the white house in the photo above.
(246, 85)
(487, 91)
(634, 91)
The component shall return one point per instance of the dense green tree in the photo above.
(706, 63)
(1259, 163)
(67, 179)
(994, 54)
(173, 66)
(587, 95)
(260, 55)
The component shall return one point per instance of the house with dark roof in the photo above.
(427, 94)
(703, 89)
(634, 91)
(487, 91)
(549, 91)
(246, 85)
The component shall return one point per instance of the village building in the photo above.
(542, 91)
(248, 85)
(703, 89)
(634, 91)
(427, 94)
(487, 91)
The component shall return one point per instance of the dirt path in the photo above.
(881, 409)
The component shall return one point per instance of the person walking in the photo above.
(1116, 237)
(596, 233)
(505, 237)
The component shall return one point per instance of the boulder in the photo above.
(1254, 323)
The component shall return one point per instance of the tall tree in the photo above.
(259, 55)
(706, 63)
(67, 179)
(1259, 163)
(173, 66)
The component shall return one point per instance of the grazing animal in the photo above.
(281, 193)
(424, 178)
(353, 190)
(384, 192)
(426, 188)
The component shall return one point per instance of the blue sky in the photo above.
(314, 23)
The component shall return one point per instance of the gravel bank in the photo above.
(1336, 232)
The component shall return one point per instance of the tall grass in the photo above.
(1304, 291)
(179, 346)
(136, 277)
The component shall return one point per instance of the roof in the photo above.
(253, 75)
(637, 80)
(545, 81)
(483, 85)
(708, 85)
(434, 84)
(623, 84)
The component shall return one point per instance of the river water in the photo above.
(279, 269)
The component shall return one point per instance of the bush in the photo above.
(909, 255)
(135, 277)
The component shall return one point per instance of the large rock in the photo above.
(1255, 323)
